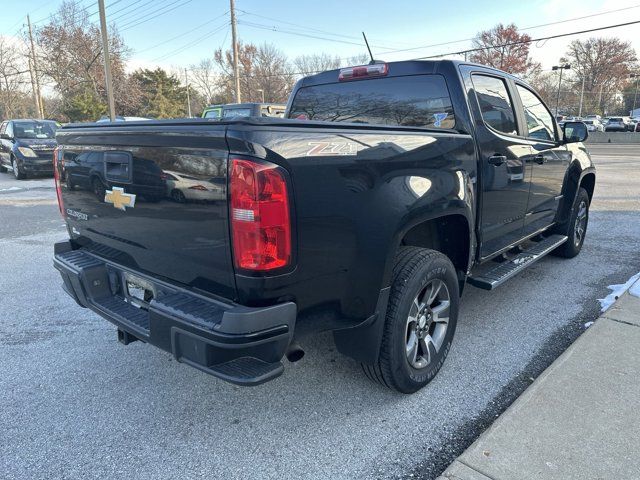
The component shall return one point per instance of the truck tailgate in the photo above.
(153, 198)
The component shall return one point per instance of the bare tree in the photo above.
(604, 64)
(13, 79)
(314, 63)
(205, 79)
(263, 70)
(70, 54)
(505, 48)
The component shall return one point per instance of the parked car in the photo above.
(26, 147)
(616, 124)
(97, 172)
(367, 218)
(594, 125)
(188, 188)
(244, 110)
(637, 129)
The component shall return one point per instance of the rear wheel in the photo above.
(576, 228)
(178, 196)
(420, 322)
(17, 171)
(98, 188)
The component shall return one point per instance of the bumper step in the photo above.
(498, 275)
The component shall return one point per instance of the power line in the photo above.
(137, 15)
(193, 29)
(190, 44)
(289, 32)
(129, 25)
(471, 50)
(520, 29)
(304, 27)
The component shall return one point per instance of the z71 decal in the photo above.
(319, 149)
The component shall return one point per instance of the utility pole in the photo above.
(234, 39)
(186, 79)
(107, 61)
(581, 96)
(33, 86)
(561, 68)
(35, 82)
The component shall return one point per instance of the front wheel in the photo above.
(420, 322)
(19, 174)
(576, 228)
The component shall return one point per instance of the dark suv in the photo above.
(26, 147)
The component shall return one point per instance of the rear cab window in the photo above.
(411, 101)
(496, 106)
(236, 112)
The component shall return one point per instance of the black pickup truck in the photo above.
(365, 212)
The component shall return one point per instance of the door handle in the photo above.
(539, 159)
(497, 160)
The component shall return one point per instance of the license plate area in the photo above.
(138, 291)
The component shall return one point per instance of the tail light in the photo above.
(260, 222)
(364, 71)
(56, 178)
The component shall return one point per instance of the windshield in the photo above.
(34, 130)
(212, 113)
(416, 101)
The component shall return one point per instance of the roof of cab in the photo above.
(401, 68)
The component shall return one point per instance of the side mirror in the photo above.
(4, 136)
(575, 132)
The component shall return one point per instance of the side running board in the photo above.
(498, 275)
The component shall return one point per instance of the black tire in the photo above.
(99, 190)
(579, 214)
(17, 173)
(3, 169)
(178, 196)
(415, 270)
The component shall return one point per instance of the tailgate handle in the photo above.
(118, 167)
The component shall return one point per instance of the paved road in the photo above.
(77, 404)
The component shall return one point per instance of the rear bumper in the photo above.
(238, 344)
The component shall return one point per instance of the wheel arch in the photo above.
(450, 233)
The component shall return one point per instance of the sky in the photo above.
(178, 33)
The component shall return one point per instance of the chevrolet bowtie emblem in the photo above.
(119, 198)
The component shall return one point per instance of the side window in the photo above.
(539, 119)
(3, 127)
(495, 104)
(9, 130)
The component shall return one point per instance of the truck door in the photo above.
(505, 174)
(550, 161)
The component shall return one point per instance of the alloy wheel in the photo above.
(427, 323)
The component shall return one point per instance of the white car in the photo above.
(594, 125)
(184, 188)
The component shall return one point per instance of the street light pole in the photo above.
(635, 95)
(561, 68)
(186, 79)
(107, 60)
(581, 96)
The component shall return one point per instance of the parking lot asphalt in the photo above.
(77, 404)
